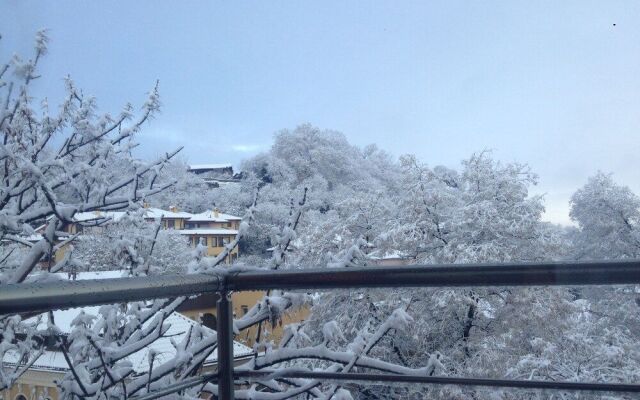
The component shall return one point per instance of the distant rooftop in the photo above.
(212, 215)
(98, 215)
(159, 213)
(208, 167)
(151, 212)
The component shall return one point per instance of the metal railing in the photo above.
(39, 297)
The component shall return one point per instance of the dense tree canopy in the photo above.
(362, 205)
(608, 218)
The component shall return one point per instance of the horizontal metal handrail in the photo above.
(444, 275)
(440, 380)
(266, 375)
(43, 296)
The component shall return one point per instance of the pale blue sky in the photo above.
(551, 83)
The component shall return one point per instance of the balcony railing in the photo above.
(39, 297)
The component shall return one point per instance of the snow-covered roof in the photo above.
(197, 167)
(164, 350)
(219, 231)
(49, 360)
(151, 212)
(96, 215)
(210, 216)
(157, 213)
(179, 326)
(36, 237)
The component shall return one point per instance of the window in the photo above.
(245, 309)
(171, 224)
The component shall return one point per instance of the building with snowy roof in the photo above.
(39, 380)
(216, 175)
(212, 228)
(212, 169)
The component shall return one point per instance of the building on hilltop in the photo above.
(212, 169)
(216, 175)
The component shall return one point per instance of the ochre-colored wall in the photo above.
(250, 299)
(178, 223)
(34, 383)
(274, 333)
(216, 225)
(59, 255)
(213, 249)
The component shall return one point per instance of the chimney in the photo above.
(173, 208)
(145, 205)
(216, 212)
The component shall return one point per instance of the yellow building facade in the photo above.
(203, 309)
(34, 384)
(213, 229)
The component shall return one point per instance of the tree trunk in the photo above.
(468, 324)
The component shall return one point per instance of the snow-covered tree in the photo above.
(189, 193)
(482, 213)
(608, 218)
(347, 185)
(608, 227)
(55, 165)
(121, 240)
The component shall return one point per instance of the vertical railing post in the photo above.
(225, 346)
